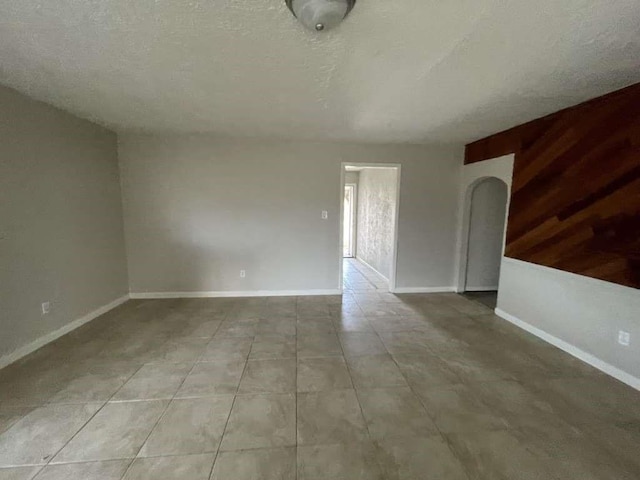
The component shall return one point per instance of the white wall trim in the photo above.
(354, 219)
(367, 265)
(224, 294)
(424, 290)
(601, 365)
(40, 342)
(493, 288)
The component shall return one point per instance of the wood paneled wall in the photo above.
(575, 201)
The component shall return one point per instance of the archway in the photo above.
(487, 200)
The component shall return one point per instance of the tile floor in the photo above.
(368, 386)
(490, 299)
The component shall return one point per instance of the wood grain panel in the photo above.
(575, 200)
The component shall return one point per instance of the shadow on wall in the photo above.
(204, 267)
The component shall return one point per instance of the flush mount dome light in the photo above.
(320, 14)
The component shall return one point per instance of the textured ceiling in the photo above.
(395, 71)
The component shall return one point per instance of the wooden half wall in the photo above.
(575, 201)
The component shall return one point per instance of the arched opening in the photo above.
(487, 210)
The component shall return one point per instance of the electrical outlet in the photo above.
(243, 273)
(325, 214)
(624, 338)
(46, 308)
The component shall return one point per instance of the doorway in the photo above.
(369, 226)
(485, 241)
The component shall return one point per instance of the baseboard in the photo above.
(367, 265)
(424, 290)
(21, 352)
(223, 294)
(481, 289)
(595, 362)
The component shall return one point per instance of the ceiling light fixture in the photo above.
(320, 15)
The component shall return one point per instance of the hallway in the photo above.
(358, 277)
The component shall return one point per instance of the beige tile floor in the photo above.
(367, 386)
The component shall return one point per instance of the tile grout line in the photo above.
(162, 415)
(296, 392)
(226, 424)
(374, 442)
(442, 436)
(81, 428)
(355, 390)
(446, 440)
(90, 418)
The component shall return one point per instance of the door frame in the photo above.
(394, 253)
(472, 174)
(354, 209)
(468, 216)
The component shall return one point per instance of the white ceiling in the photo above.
(395, 71)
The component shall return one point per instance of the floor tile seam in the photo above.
(126, 381)
(296, 405)
(75, 434)
(19, 418)
(226, 424)
(129, 461)
(92, 416)
(176, 455)
(205, 360)
(432, 418)
(445, 437)
(364, 419)
(466, 470)
(161, 416)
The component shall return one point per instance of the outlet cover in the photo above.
(46, 308)
(325, 214)
(243, 273)
(624, 338)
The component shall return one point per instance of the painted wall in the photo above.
(585, 313)
(61, 233)
(377, 191)
(486, 234)
(198, 209)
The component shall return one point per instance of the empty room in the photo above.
(319, 240)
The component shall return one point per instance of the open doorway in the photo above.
(369, 207)
(485, 244)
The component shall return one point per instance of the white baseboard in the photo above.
(367, 265)
(424, 290)
(223, 294)
(601, 365)
(21, 352)
(481, 289)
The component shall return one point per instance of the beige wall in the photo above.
(377, 195)
(199, 209)
(61, 235)
(576, 313)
